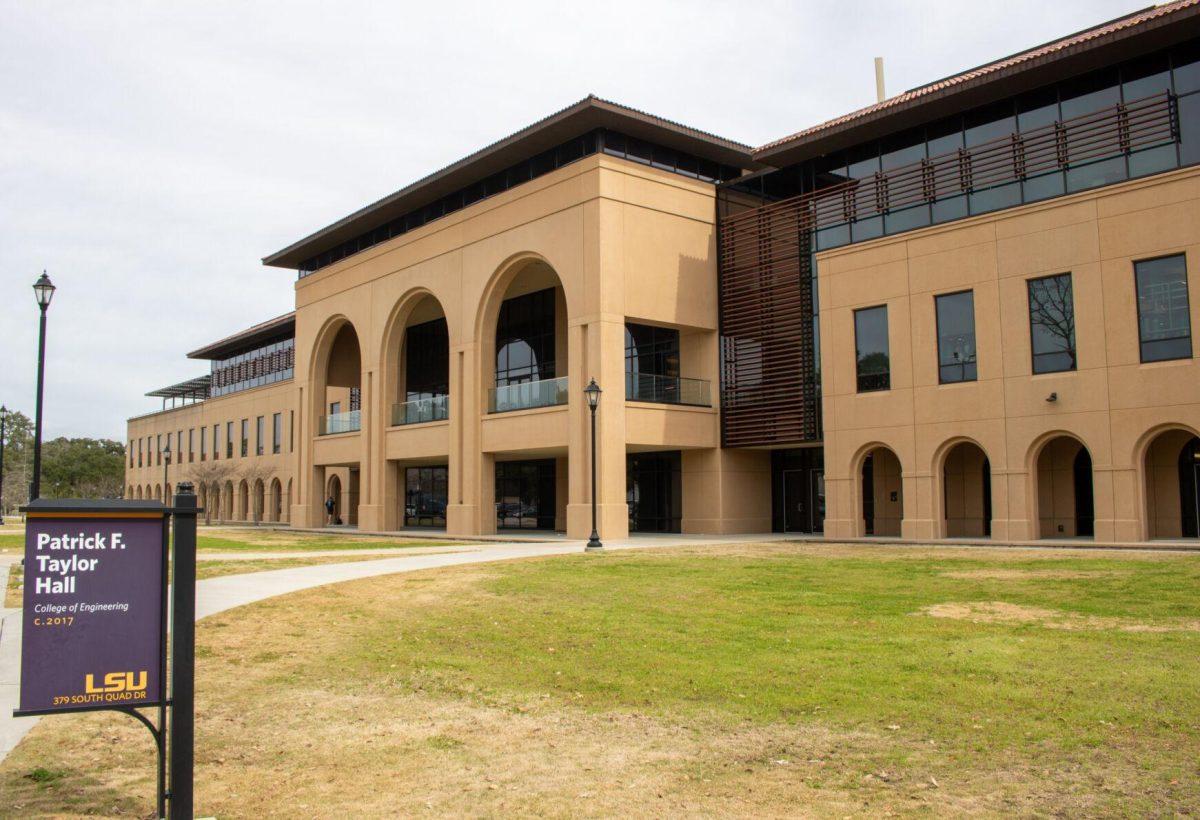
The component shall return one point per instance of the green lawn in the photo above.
(747, 681)
(784, 637)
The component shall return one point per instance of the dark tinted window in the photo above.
(426, 360)
(956, 337)
(1052, 323)
(1164, 322)
(871, 349)
(525, 339)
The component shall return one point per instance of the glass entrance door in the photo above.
(796, 501)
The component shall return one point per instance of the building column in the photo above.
(464, 464)
(370, 457)
(597, 350)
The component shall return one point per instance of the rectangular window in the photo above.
(1052, 323)
(1164, 320)
(291, 431)
(216, 442)
(245, 448)
(871, 349)
(229, 439)
(277, 433)
(158, 448)
(259, 435)
(192, 444)
(131, 446)
(139, 452)
(335, 407)
(203, 444)
(956, 337)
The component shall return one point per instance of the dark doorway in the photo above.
(798, 490)
(987, 497)
(525, 495)
(653, 491)
(1085, 508)
(1189, 488)
(425, 496)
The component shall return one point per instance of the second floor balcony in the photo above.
(649, 387)
(527, 395)
(434, 408)
(334, 423)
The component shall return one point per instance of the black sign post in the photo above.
(183, 654)
(94, 621)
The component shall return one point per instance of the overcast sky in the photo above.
(151, 153)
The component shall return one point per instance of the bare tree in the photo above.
(210, 474)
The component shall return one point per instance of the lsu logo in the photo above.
(116, 682)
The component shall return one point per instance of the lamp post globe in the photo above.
(592, 394)
(43, 291)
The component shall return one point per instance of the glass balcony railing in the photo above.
(526, 395)
(348, 422)
(667, 389)
(434, 408)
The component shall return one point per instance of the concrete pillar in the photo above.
(464, 462)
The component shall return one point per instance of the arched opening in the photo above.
(523, 358)
(228, 502)
(214, 496)
(882, 493)
(287, 509)
(275, 510)
(1172, 482)
(259, 500)
(243, 503)
(129, 491)
(333, 501)
(342, 384)
(417, 361)
(525, 333)
(1066, 508)
(202, 501)
(158, 495)
(138, 492)
(167, 494)
(967, 492)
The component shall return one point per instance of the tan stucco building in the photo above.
(961, 312)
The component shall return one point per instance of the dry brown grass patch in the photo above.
(981, 612)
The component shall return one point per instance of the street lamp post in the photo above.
(43, 289)
(3, 423)
(166, 467)
(592, 392)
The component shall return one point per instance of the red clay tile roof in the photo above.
(1121, 24)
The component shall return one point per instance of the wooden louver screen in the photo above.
(769, 389)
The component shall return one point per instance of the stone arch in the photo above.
(333, 489)
(137, 492)
(417, 307)
(963, 501)
(275, 508)
(335, 374)
(521, 274)
(879, 491)
(158, 492)
(227, 502)
(1062, 486)
(214, 498)
(243, 500)
(258, 500)
(1168, 470)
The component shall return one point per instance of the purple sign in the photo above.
(92, 631)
